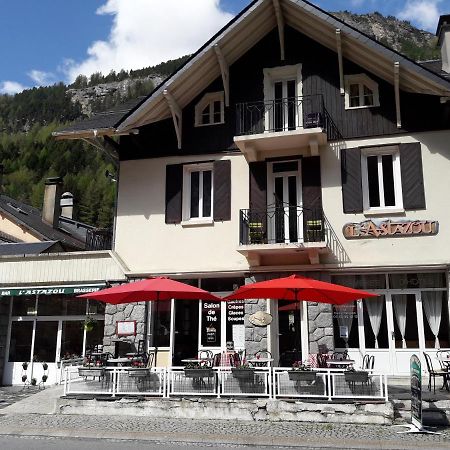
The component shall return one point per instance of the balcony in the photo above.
(98, 239)
(287, 123)
(282, 235)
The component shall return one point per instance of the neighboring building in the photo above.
(43, 266)
(290, 142)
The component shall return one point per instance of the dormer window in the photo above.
(210, 110)
(360, 92)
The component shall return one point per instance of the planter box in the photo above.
(302, 375)
(243, 374)
(143, 372)
(206, 372)
(356, 377)
(91, 372)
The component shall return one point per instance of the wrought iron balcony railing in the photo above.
(98, 239)
(285, 114)
(283, 224)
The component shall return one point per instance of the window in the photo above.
(210, 110)
(198, 192)
(381, 179)
(360, 92)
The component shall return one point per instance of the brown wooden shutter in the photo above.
(258, 186)
(351, 180)
(311, 183)
(412, 176)
(222, 190)
(174, 193)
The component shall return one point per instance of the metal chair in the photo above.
(435, 373)
(263, 354)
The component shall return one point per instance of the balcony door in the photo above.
(284, 202)
(282, 98)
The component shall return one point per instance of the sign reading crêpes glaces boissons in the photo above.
(416, 391)
(380, 228)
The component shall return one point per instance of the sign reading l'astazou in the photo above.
(416, 391)
(52, 290)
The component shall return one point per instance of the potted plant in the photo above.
(243, 372)
(44, 378)
(301, 372)
(24, 365)
(196, 370)
(91, 371)
(24, 378)
(33, 382)
(89, 324)
(44, 365)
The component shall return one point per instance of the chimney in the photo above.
(443, 34)
(52, 196)
(67, 205)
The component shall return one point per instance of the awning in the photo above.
(50, 290)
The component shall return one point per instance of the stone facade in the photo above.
(320, 327)
(129, 311)
(255, 337)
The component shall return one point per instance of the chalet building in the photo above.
(289, 143)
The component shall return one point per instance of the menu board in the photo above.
(126, 328)
(235, 323)
(211, 324)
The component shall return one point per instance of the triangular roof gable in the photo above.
(251, 25)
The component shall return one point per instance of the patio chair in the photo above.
(208, 356)
(263, 354)
(440, 355)
(435, 373)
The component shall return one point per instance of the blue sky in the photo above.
(45, 41)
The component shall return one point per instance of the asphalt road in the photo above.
(44, 443)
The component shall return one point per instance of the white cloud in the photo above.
(424, 13)
(41, 78)
(147, 32)
(11, 87)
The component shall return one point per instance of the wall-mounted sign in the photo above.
(211, 324)
(52, 290)
(260, 319)
(382, 228)
(126, 328)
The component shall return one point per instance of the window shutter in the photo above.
(258, 186)
(412, 176)
(174, 192)
(222, 190)
(311, 183)
(351, 180)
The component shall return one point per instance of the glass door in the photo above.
(406, 330)
(285, 114)
(185, 331)
(284, 200)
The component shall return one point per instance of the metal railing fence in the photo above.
(276, 382)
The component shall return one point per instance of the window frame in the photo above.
(208, 100)
(393, 150)
(188, 169)
(361, 80)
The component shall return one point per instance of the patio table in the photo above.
(196, 360)
(340, 363)
(260, 362)
(118, 361)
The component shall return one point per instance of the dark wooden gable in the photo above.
(320, 76)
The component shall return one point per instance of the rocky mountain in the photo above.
(398, 34)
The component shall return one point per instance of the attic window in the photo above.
(210, 110)
(360, 92)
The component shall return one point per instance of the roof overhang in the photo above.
(251, 26)
(86, 134)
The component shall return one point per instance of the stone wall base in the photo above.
(230, 409)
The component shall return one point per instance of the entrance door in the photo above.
(186, 331)
(407, 336)
(285, 114)
(284, 203)
(289, 332)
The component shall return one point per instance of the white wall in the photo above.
(402, 250)
(148, 245)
